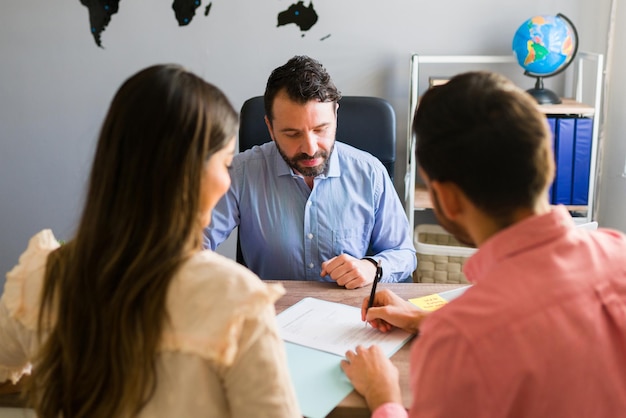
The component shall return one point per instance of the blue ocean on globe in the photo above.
(544, 44)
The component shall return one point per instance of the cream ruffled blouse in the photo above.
(220, 354)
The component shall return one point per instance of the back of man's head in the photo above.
(303, 79)
(484, 134)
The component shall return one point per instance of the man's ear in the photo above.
(269, 127)
(449, 197)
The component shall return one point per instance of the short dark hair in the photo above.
(303, 79)
(486, 135)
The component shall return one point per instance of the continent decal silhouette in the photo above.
(101, 11)
(303, 16)
(185, 10)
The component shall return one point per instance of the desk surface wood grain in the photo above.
(353, 405)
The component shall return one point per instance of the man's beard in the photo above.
(307, 171)
(452, 227)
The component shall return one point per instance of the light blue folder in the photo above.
(319, 382)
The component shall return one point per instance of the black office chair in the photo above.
(367, 123)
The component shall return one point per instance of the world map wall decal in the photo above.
(101, 11)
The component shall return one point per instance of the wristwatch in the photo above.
(379, 268)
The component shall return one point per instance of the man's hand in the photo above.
(390, 310)
(373, 375)
(349, 271)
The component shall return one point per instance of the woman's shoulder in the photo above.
(208, 302)
(212, 274)
(22, 290)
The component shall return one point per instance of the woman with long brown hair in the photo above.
(131, 318)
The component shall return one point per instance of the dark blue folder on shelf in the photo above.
(571, 143)
(552, 124)
(564, 150)
(582, 161)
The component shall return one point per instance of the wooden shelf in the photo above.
(567, 107)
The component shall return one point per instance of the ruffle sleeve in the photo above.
(22, 289)
(19, 306)
(208, 304)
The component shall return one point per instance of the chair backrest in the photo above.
(367, 123)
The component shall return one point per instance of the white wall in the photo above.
(55, 84)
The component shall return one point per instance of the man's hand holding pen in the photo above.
(387, 310)
(368, 368)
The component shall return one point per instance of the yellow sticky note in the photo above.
(429, 303)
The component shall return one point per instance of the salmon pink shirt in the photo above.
(542, 333)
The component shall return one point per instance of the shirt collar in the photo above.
(520, 237)
(282, 169)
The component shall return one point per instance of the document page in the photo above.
(334, 328)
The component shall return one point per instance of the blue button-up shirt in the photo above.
(287, 230)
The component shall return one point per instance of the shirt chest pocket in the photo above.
(353, 241)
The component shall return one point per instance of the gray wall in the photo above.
(55, 84)
(612, 181)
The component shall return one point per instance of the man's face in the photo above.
(304, 133)
(454, 228)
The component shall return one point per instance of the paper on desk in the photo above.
(334, 328)
(318, 334)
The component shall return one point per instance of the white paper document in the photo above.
(334, 328)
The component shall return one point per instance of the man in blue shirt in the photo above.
(308, 207)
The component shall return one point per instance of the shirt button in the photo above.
(310, 265)
(308, 204)
(310, 236)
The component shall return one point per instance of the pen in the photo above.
(379, 274)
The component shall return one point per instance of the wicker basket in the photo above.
(440, 257)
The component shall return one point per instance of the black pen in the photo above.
(379, 274)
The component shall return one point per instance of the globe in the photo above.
(544, 46)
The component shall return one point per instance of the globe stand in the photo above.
(543, 96)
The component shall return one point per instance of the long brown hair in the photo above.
(103, 302)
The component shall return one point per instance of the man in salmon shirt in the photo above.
(542, 331)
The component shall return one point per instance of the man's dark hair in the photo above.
(484, 134)
(303, 79)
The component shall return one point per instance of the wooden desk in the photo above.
(354, 405)
(10, 394)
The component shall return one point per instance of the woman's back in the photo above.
(220, 353)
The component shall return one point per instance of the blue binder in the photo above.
(564, 150)
(582, 161)
(552, 125)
